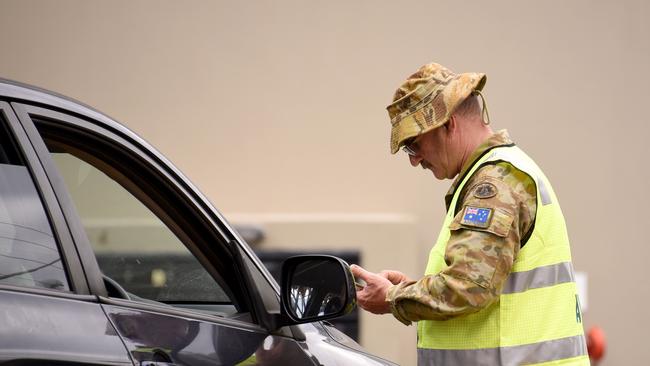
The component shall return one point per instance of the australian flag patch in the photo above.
(477, 216)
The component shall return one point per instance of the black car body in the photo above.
(70, 290)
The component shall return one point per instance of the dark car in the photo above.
(110, 256)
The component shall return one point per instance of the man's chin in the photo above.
(437, 175)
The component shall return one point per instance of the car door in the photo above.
(169, 273)
(47, 313)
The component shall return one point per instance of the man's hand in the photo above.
(372, 297)
(394, 277)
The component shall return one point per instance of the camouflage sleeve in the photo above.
(479, 259)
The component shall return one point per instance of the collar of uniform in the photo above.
(499, 138)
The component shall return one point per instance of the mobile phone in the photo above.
(359, 283)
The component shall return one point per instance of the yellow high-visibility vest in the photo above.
(537, 318)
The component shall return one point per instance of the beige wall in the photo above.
(276, 108)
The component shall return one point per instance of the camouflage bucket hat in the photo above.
(427, 99)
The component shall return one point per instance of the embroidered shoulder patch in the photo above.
(485, 190)
(477, 217)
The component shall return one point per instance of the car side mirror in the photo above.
(316, 287)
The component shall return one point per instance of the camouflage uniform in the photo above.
(479, 259)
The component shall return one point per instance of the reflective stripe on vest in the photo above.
(557, 349)
(537, 317)
(539, 277)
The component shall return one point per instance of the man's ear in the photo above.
(452, 124)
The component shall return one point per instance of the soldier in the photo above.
(498, 287)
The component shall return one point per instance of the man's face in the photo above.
(434, 152)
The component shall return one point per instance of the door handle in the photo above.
(156, 363)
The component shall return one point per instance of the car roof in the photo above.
(21, 92)
(33, 94)
(29, 94)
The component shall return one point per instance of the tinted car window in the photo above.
(29, 254)
(133, 246)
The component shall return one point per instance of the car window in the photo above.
(135, 250)
(29, 254)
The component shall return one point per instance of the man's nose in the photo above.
(415, 160)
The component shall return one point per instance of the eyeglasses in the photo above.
(411, 146)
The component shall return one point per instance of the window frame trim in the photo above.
(77, 281)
